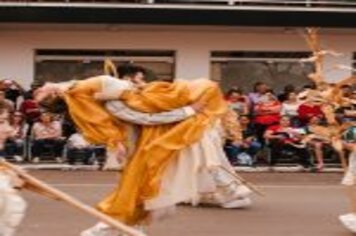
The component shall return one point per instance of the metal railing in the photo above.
(251, 3)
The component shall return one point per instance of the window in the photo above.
(244, 68)
(63, 65)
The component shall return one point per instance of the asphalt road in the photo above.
(297, 204)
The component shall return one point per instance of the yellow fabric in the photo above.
(160, 144)
(97, 124)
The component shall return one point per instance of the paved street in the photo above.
(297, 204)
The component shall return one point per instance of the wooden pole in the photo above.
(70, 200)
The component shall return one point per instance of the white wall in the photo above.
(193, 46)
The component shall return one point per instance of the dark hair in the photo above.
(54, 105)
(289, 88)
(346, 86)
(258, 83)
(130, 70)
(310, 86)
(289, 93)
(28, 95)
(233, 90)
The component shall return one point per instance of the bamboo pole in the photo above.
(70, 200)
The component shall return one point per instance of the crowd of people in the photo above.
(304, 122)
(30, 132)
(294, 123)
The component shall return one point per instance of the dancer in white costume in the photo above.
(12, 205)
(198, 175)
(349, 181)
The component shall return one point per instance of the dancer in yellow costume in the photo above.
(147, 185)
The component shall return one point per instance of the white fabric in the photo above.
(51, 130)
(12, 206)
(350, 175)
(112, 85)
(77, 140)
(349, 221)
(196, 176)
(290, 109)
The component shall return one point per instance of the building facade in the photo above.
(233, 42)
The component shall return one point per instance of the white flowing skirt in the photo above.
(197, 176)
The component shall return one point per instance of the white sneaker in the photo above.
(18, 158)
(238, 203)
(242, 191)
(100, 229)
(35, 160)
(349, 221)
(59, 160)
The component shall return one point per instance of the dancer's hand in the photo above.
(198, 106)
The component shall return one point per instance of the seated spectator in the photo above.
(259, 89)
(242, 152)
(289, 88)
(6, 131)
(267, 113)
(290, 108)
(5, 103)
(76, 143)
(285, 137)
(17, 142)
(47, 132)
(318, 137)
(310, 108)
(30, 109)
(237, 101)
(12, 91)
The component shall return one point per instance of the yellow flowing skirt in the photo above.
(158, 145)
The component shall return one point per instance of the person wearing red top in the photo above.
(284, 137)
(30, 110)
(267, 113)
(309, 109)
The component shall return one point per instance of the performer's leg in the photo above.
(338, 147)
(229, 192)
(115, 158)
(318, 150)
(349, 220)
(351, 194)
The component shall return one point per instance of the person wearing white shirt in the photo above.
(47, 132)
(290, 108)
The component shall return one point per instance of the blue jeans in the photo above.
(232, 151)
